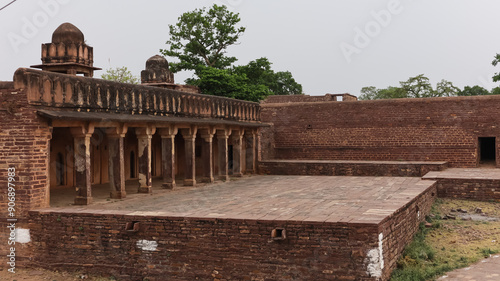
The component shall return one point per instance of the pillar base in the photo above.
(145, 189)
(208, 179)
(168, 185)
(189, 182)
(118, 194)
(237, 174)
(249, 172)
(83, 200)
(223, 178)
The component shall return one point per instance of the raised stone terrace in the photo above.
(293, 198)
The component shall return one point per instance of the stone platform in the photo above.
(467, 183)
(255, 228)
(350, 168)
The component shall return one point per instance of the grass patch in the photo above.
(449, 244)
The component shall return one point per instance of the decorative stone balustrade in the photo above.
(88, 94)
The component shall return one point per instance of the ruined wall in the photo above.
(399, 228)
(24, 146)
(349, 168)
(200, 249)
(433, 129)
(469, 189)
(180, 248)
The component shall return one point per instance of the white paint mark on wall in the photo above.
(147, 245)
(375, 259)
(23, 235)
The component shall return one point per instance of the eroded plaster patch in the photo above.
(23, 235)
(147, 245)
(375, 259)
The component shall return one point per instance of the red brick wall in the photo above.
(23, 146)
(399, 229)
(201, 249)
(433, 129)
(471, 189)
(209, 249)
(24, 140)
(348, 168)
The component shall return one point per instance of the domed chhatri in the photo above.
(157, 71)
(156, 62)
(68, 33)
(68, 53)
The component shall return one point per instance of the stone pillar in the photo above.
(207, 154)
(116, 163)
(83, 181)
(222, 139)
(189, 136)
(237, 138)
(250, 156)
(168, 156)
(144, 136)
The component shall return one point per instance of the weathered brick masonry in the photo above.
(222, 249)
(433, 129)
(349, 168)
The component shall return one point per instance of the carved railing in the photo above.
(76, 92)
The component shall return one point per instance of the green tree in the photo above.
(226, 83)
(495, 91)
(496, 77)
(415, 87)
(259, 72)
(473, 91)
(254, 81)
(418, 87)
(120, 74)
(201, 37)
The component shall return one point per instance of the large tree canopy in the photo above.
(496, 77)
(254, 81)
(201, 37)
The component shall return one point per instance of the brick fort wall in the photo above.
(431, 129)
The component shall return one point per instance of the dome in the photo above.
(156, 62)
(67, 33)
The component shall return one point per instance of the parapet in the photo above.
(307, 98)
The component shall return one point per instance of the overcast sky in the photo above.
(328, 46)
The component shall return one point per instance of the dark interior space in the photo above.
(487, 150)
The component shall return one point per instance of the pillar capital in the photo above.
(224, 133)
(237, 133)
(207, 134)
(148, 131)
(117, 132)
(85, 130)
(189, 133)
(168, 132)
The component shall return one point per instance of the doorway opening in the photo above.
(487, 151)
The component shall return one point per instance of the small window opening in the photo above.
(278, 234)
(133, 226)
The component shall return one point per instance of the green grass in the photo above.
(448, 245)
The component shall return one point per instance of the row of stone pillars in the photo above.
(116, 168)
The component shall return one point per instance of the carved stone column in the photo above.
(189, 136)
(250, 157)
(144, 136)
(168, 156)
(116, 162)
(237, 138)
(207, 154)
(83, 181)
(222, 139)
